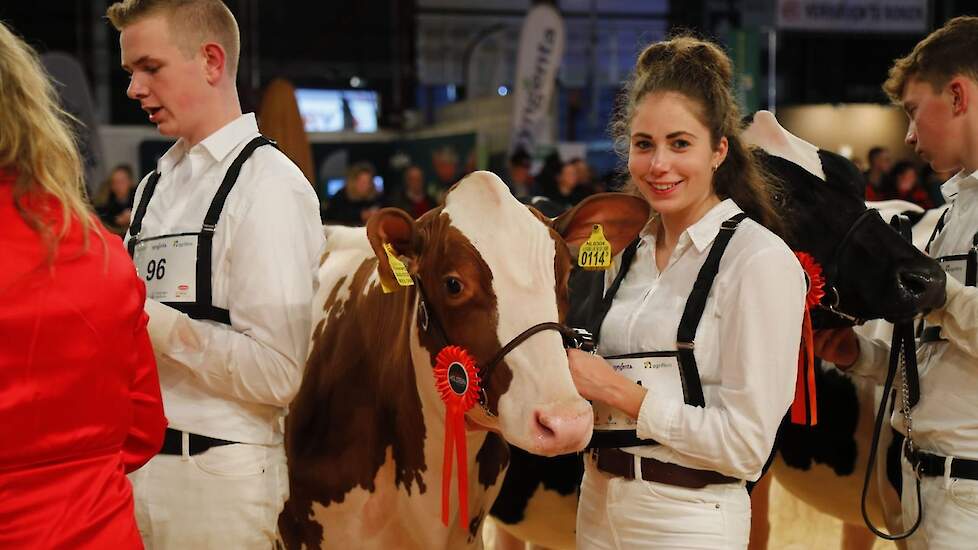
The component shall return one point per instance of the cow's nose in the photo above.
(562, 428)
(924, 286)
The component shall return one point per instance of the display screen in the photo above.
(338, 110)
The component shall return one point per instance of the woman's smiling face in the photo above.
(671, 159)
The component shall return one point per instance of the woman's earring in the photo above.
(715, 166)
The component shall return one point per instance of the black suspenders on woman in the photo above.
(203, 307)
(685, 334)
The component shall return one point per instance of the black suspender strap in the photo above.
(205, 242)
(971, 277)
(203, 308)
(604, 305)
(937, 229)
(137, 219)
(693, 312)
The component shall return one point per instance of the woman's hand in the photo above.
(839, 346)
(597, 381)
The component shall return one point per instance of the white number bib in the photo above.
(955, 266)
(659, 370)
(168, 264)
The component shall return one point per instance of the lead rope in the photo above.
(902, 351)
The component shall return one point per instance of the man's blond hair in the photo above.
(192, 22)
(949, 51)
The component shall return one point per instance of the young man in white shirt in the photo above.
(226, 234)
(937, 85)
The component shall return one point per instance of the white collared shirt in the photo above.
(746, 345)
(945, 420)
(234, 382)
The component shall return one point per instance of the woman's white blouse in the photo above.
(746, 345)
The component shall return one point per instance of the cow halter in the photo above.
(572, 339)
(831, 300)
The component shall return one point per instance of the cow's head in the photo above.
(871, 271)
(490, 268)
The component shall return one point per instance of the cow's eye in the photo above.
(453, 285)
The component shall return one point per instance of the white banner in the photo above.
(853, 15)
(540, 53)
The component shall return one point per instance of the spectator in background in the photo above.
(932, 181)
(585, 177)
(115, 198)
(412, 197)
(520, 180)
(903, 182)
(559, 182)
(357, 200)
(880, 162)
(80, 403)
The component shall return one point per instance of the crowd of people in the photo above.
(201, 311)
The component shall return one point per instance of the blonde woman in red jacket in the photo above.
(80, 399)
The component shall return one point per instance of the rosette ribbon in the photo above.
(803, 408)
(457, 381)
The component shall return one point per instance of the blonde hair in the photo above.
(192, 23)
(945, 53)
(702, 73)
(36, 142)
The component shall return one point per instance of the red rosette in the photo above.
(803, 409)
(451, 363)
(815, 279)
(457, 382)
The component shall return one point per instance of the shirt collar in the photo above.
(959, 181)
(217, 145)
(705, 230)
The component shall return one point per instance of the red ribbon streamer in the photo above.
(457, 381)
(803, 409)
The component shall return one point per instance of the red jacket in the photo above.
(80, 401)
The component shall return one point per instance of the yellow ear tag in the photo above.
(399, 269)
(595, 253)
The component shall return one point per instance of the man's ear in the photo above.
(395, 227)
(960, 92)
(215, 61)
(621, 217)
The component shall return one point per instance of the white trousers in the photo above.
(618, 513)
(950, 519)
(225, 497)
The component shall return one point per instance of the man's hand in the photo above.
(839, 346)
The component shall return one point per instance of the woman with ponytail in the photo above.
(80, 399)
(692, 380)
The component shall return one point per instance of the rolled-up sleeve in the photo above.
(760, 331)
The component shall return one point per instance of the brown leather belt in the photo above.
(619, 463)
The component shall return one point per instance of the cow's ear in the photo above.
(396, 227)
(621, 217)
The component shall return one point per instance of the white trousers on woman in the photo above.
(950, 519)
(618, 513)
(226, 497)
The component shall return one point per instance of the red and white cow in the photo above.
(365, 434)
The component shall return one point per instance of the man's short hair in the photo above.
(945, 53)
(520, 157)
(192, 22)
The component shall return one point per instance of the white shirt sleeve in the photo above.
(260, 358)
(958, 318)
(759, 340)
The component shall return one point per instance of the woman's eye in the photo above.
(453, 286)
(680, 144)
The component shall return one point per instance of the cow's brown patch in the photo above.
(358, 397)
(470, 318)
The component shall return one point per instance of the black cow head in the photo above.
(870, 271)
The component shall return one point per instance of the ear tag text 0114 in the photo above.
(595, 253)
(397, 266)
